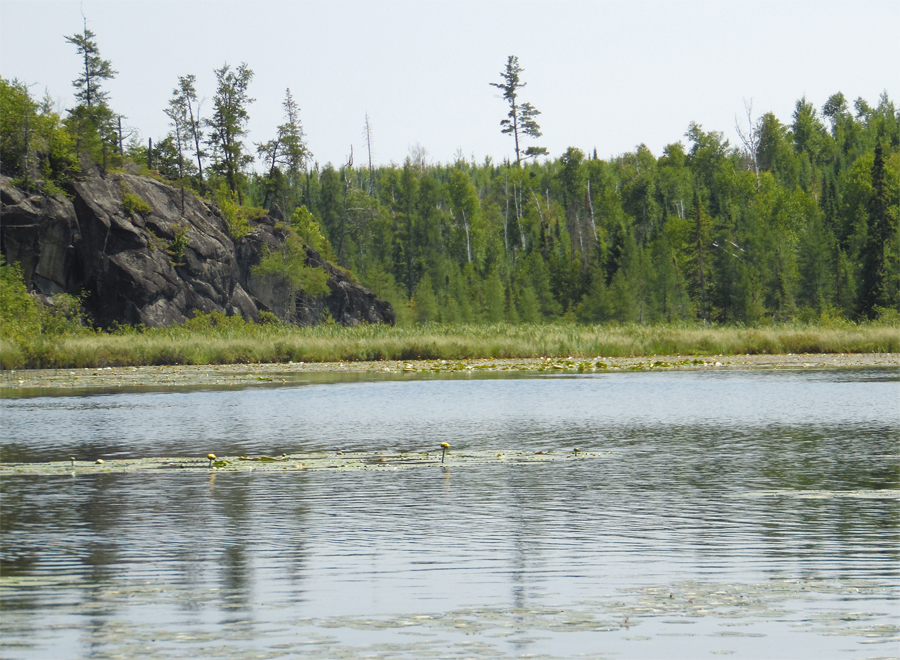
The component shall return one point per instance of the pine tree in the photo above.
(699, 264)
(228, 124)
(87, 86)
(528, 306)
(287, 153)
(92, 119)
(668, 283)
(878, 287)
(521, 117)
(424, 301)
(816, 269)
(494, 300)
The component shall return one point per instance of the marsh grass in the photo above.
(238, 342)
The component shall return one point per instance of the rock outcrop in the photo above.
(164, 265)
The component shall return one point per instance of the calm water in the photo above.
(753, 514)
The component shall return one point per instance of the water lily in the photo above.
(444, 447)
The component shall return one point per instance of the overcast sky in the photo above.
(605, 75)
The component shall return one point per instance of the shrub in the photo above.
(134, 204)
(237, 217)
(178, 243)
(214, 321)
(20, 317)
(64, 316)
(288, 267)
(268, 318)
(304, 223)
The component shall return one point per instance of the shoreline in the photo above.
(33, 382)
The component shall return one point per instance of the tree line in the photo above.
(799, 220)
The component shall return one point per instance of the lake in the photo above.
(743, 513)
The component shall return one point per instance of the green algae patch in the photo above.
(343, 461)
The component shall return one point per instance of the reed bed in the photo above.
(235, 343)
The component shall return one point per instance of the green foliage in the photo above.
(135, 204)
(424, 301)
(35, 146)
(169, 160)
(87, 85)
(92, 121)
(285, 156)
(20, 317)
(237, 217)
(521, 119)
(64, 316)
(215, 323)
(185, 135)
(23, 321)
(307, 228)
(287, 267)
(493, 303)
(801, 222)
(228, 124)
(268, 318)
(178, 244)
(382, 282)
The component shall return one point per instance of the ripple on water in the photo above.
(733, 511)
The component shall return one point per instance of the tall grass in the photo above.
(238, 342)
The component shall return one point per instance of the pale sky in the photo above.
(605, 75)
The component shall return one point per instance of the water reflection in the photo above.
(700, 500)
(400, 415)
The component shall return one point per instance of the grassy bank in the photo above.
(233, 342)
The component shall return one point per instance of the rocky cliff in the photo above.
(162, 265)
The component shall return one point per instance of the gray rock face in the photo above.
(132, 271)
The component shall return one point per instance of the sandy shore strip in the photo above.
(19, 382)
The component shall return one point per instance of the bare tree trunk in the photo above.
(537, 205)
(700, 265)
(27, 115)
(591, 206)
(580, 235)
(520, 211)
(468, 244)
(195, 132)
(750, 140)
(515, 115)
(369, 147)
(506, 220)
(266, 202)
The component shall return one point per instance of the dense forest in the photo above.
(798, 221)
